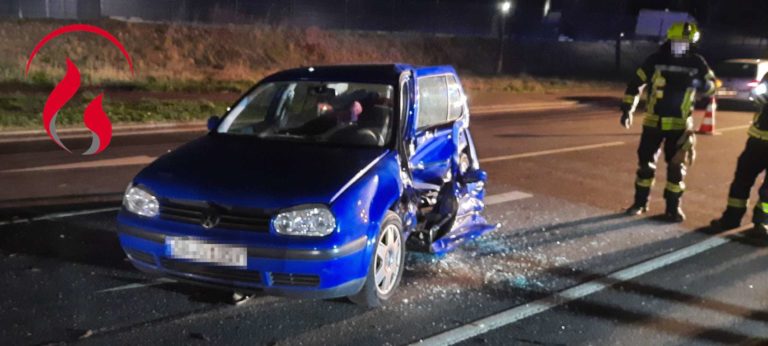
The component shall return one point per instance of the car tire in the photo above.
(388, 255)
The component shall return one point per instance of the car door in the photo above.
(434, 146)
(441, 139)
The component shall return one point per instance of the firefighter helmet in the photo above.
(684, 31)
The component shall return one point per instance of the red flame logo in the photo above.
(94, 117)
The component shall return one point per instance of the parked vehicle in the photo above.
(312, 185)
(739, 77)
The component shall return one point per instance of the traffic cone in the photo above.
(708, 123)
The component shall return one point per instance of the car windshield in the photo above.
(736, 70)
(319, 112)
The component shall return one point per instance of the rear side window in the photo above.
(433, 101)
(736, 70)
(455, 98)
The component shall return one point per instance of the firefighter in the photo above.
(672, 77)
(753, 161)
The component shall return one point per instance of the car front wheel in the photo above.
(387, 264)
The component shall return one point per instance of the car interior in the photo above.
(317, 112)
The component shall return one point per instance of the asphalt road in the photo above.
(566, 267)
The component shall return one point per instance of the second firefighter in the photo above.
(673, 78)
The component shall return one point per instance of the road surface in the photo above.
(565, 267)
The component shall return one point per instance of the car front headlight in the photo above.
(139, 201)
(311, 221)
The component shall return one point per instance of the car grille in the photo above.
(211, 271)
(195, 212)
(284, 279)
(141, 256)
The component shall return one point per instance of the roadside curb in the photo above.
(125, 130)
(193, 126)
(115, 129)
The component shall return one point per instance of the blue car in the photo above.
(314, 184)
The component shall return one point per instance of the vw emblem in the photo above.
(210, 221)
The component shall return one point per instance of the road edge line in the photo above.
(521, 312)
(551, 152)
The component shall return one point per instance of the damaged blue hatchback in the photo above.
(314, 184)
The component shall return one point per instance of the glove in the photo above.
(626, 119)
(697, 84)
(759, 94)
(686, 152)
(703, 86)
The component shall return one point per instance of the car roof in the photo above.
(364, 73)
(745, 61)
(379, 73)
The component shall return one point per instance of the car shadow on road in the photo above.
(88, 239)
(85, 243)
(19, 209)
(194, 292)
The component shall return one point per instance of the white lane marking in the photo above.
(120, 161)
(55, 216)
(732, 128)
(506, 197)
(521, 312)
(484, 110)
(551, 152)
(136, 285)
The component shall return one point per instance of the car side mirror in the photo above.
(213, 123)
(473, 176)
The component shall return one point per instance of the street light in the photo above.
(504, 8)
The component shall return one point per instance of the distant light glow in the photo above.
(311, 69)
(505, 7)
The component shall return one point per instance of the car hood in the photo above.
(249, 172)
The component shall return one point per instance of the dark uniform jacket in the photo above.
(671, 84)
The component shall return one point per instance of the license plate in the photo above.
(723, 92)
(201, 251)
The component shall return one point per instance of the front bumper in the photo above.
(307, 273)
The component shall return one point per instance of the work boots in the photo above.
(760, 219)
(673, 212)
(761, 230)
(637, 209)
(731, 219)
(640, 206)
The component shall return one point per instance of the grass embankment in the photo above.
(24, 110)
(190, 72)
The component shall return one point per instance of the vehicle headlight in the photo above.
(139, 201)
(311, 221)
